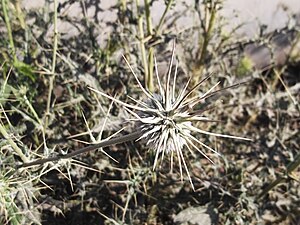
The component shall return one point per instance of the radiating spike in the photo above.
(187, 171)
(218, 135)
(125, 104)
(174, 82)
(167, 87)
(158, 81)
(222, 89)
(148, 94)
(212, 88)
(161, 142)
(191, 91)
(195, 147)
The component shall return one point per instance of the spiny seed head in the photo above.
(161, 126)
(166, 119)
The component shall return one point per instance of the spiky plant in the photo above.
(166, 120)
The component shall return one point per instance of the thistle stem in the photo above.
(53, 75)
(105, 143)
(9, 30)
(13, 144)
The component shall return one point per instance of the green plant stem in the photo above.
(150, 84)
(8, 27)
(207, 36)
(124, 5)
(32, 110)
(19, 13)
(162, 19)
(52, 76)
(105, 143)
(149, 81)
(142, 45)
(143, 51)
(123, 8)
(148, 17)
(13, 144)
(290, 168)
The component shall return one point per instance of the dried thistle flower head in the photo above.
(166, 119)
